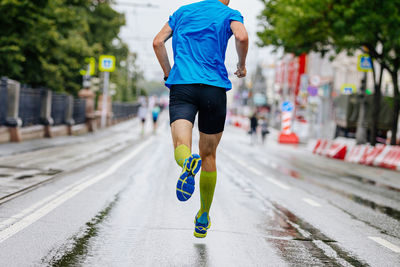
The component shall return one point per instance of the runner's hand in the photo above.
(241, 71)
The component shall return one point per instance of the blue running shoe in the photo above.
(185, 185)
(202, 224)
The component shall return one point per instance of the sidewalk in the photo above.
(7, 149)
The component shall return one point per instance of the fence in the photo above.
(79, 113)
(124, 110)
(36, 107)
(3, 101)
(30, 103)
(59, 107)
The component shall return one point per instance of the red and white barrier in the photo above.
(345, 149)
(286, 123)
(356, 154)
(323, 147)
(371, 153)
(337, 150)
(389, 158)
(287, 136)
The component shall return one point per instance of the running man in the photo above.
(198, 83)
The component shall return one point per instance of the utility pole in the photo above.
(365, 66)
(361, 133)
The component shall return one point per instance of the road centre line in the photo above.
(254, 170)
(385, 243)
(257, 172)
(311, 202)
(60, 199)
(250, 168)
(276, 182)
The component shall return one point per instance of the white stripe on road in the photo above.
(30, 209)
(250, 168)
(257, 172)
(385, 243)
(276, 182)
(254, 170)
(58, 200)
(311, 202)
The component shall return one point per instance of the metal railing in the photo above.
(58, 108)
(79, 113)
(41, 107)
(30, 106)
(124, 110)
(3, 101)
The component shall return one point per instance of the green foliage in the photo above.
(301, 26)
(45, 42)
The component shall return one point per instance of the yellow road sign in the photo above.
(92, 67)
(348, 89)
(107, 63)
(364, 63)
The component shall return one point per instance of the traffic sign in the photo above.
(107, 63)
(91, 67)
(364, 63)
(348, 89)
(287, 106)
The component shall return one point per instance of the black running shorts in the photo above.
(209, 101)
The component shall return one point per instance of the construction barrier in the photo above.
(356, 154)
(389, 158)
(345, 149)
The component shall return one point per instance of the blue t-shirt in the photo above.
(200, 37)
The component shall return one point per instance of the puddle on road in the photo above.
(73, 253)
(295, 240)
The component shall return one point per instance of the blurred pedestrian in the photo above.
(155, 113)
(142, 113)
(264, 129)
(253, 128)
(198, 83)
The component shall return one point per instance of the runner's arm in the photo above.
(160, 50)
(242, 46)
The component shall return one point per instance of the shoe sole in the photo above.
(199, 235)
(183, 192)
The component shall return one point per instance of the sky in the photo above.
(143, 23)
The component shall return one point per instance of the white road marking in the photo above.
(385, 243)
(311, 202)
(243, 164)
(276, 182)
(254, 170)
(30, 209)
(25, 221)
(257, 172)
(273, 165)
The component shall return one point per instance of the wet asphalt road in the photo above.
(270, 209)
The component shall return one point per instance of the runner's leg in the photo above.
(208, 176)
(182, 112)
(181, 131)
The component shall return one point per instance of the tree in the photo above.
(346, 25)
(44, 43)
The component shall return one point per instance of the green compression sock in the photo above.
(182, 152)
(208, 181)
